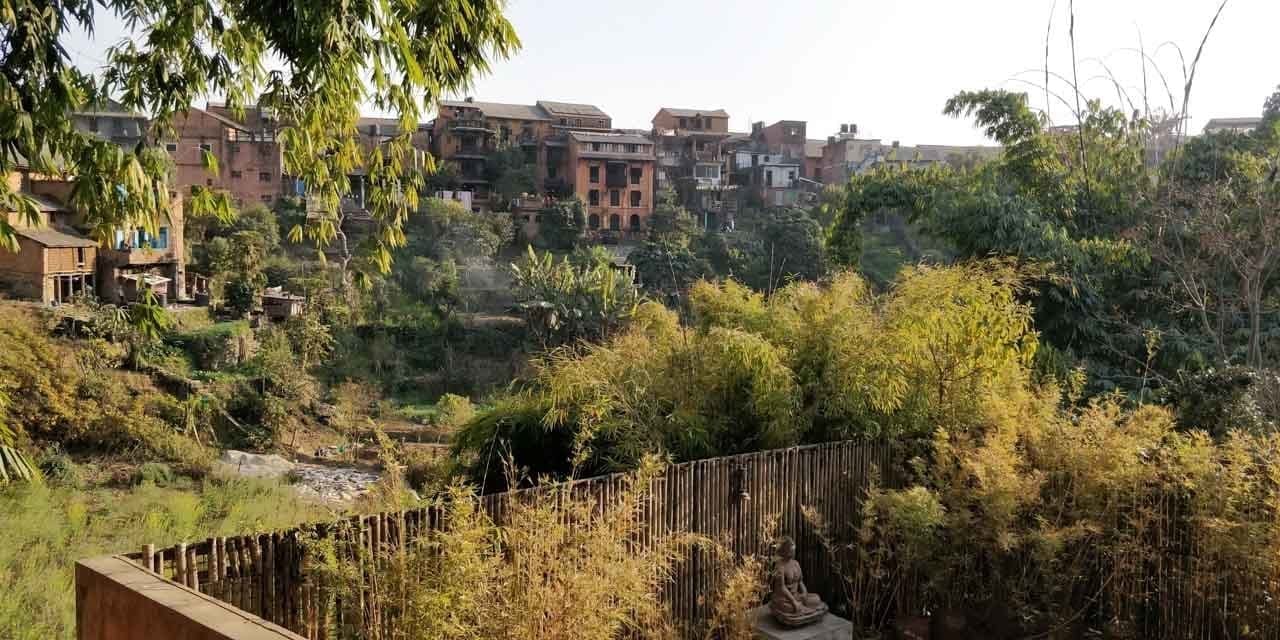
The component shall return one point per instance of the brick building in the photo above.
(467, 132)
(53, 262)
(613, 174)
(249, 156)
(690, 160)
(111, 121)
(845, 155)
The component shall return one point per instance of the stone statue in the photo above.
(791, 603)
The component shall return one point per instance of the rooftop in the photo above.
(50, 237)
(501, 109)
(691, 113)
(572, 109)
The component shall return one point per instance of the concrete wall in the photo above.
(119, 600)
(666, 120)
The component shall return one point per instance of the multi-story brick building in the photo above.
(249, 156)
(467, 133)
(111, 121)
(613, 174)
(690, 160)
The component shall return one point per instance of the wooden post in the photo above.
(180, 563)
(149, 557)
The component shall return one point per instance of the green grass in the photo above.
(45, 529)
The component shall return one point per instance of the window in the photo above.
(593, 197)
(264, 176)
(636, 172)
(684, 123)
(615, 198)
(791, 176)
(706, 123)
(594, 220)
(768, 177)
(208, 182)
(635, 198)
(266, 198)
(595, 146)
(162, 239)
(594, 173)
(615, 222)
(635, 222)
(236, 174)
(80, 256)
(205, 146)
(170, 147)
(564, 122)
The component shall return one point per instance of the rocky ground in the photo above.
(327, 483)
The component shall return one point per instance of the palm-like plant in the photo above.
(14, 465)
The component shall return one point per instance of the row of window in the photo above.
(615, 222)
(697, 123)
(615, 198)
(618, 147)
(593, 174)
(140, 239)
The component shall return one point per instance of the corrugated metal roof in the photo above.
(53, 238)
(572, 109)
(693, 113)
(501, 109)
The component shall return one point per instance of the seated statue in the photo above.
(791, 603)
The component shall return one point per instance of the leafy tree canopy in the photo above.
(399, 56)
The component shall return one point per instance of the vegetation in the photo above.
(48, 527)
(558, 568)
(809, 364)
(400, 56)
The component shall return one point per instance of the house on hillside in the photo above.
(56, 261)
(613, 174)
(250, 157)
(690, 159)
(1236, 125)
(53, 263)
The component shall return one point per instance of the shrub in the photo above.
(154, 473)
(61, 469)
(216, 347)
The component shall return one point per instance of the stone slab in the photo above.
(830, 627)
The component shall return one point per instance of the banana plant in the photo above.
(14, 465)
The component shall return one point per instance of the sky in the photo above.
(887, 66)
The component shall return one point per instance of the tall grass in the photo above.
(45, 529)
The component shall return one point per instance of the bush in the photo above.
(154, 473)
(216, 347)
(60, 469)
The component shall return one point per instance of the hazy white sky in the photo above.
(887, 65)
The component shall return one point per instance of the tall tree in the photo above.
(397, 55)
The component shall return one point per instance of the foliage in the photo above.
(557, 567)
(510, 175)
(399, 56)
(48, 528)
(809, 364)
(1036, 517)
(1224, 400)
(563, 224)
(667, 269)
(14, 464)
(566, 303)
(65, 395)
(215, 347)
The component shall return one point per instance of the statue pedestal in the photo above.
(830, 627)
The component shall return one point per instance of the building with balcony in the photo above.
(250, 158)
(613, 173)
(112, 122)
(690, 159)
(56, 261)
(467, 132)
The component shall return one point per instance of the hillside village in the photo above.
(300, 341)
